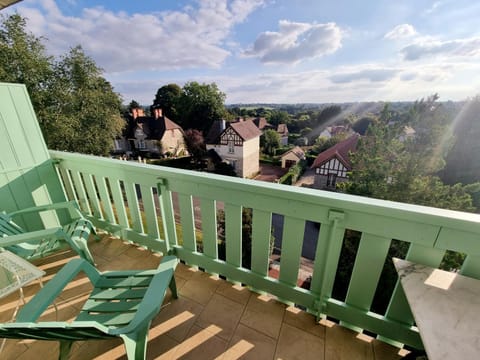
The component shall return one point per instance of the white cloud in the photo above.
(401, 31)
(372, 75)
(436, 48)
(364, 82)
(434, 7)
(192, 37)
(295, 41)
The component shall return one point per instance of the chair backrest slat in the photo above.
(8, 227)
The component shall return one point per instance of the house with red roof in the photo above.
(238, 144)
(154, 135)
(332, 165)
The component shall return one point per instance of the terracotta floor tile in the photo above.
(200, 344)
(200, 287)
(237, 293)
(265, 315)
(304, 321)
(12, 349)
(221, 312)
(45, 349)
(98, 349)
(385, 351)
(342, 343)
(294, 343)
(248, 343)
(185, 272)
(176, 318)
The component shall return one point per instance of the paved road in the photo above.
(306, 180)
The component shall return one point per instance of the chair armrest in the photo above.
(29, 236)
(71, 206)
(153, 299)
(39, 303)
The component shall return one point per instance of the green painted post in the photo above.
(92, 195)
(133, 207)
(333, 248)
(471, 266)
(292, 242)
(208, 211)
(187, 221)
(168, 217)
(150, 211)
(233, 234)
(119, 203)
(261, 235)
(371, 255)
(105, 199)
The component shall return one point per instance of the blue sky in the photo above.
(280, 51)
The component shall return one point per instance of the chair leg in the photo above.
(136, 344)
(173, 287)
(65, 347)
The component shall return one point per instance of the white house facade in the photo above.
(239, 145)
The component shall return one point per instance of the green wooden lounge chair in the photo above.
(39, 243)
(121, 304)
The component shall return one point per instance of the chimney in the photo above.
(134, 113)
(222, 124)
(157, 113)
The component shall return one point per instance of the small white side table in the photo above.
(15, 273)
(446, 308)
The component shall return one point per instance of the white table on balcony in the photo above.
(446, 307)
(15, 273)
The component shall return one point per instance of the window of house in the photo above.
(231, 147)
(141, 144)
(331, 180)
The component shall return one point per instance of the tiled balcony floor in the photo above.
(211, 319)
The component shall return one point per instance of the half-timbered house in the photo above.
(237, 143)
(332, 165)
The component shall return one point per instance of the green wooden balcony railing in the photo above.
(166, 209)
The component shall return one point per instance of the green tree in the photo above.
(133, 105)
(361, 125)
(323, 143)
(23, 59)
(463, 160)
(200, 105)
(76, 107)
(276, 117)
(167, 98)
(270, 141)
(85, 112)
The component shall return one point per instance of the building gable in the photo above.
(229, 136)
(333, 166)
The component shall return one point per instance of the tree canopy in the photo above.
(386, 167)
(76, 107)
(167, 98)
(23, 59)
(86, 110)
(200, 105)
(463, 161)
(270, 140)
